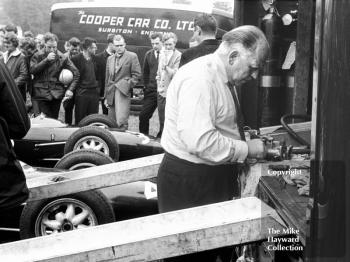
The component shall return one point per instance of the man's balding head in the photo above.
(243, 51)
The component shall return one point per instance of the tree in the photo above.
(29, 14)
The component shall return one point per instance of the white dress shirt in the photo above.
(200, 116)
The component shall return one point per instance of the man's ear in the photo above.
(198, 30)
(233, 56)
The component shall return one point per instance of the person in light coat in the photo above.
(169, 61)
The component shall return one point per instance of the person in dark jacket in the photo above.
(73, 49)
(101, 60)
(14, 124)
(16, 62)
(87, 93)
(28, 48)
(46, 66)
(150, 68)
(204, 32)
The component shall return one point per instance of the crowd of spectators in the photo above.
(103, 79)
(100, 79)
(201, 124)
(30, 69)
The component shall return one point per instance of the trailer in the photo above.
(317, 225)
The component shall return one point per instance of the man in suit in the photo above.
(87, 93)
(150, 67)
(123, 71)
(169, 61)
(101, 59)
(204, 32)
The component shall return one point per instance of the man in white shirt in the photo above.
(203, 132)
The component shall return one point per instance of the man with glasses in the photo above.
(87, 93)
(123, 71)
(46, 66)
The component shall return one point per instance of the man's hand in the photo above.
(256, 149)
(51, 56)
(68, 94)
(106, 103)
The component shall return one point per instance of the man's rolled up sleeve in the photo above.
(241, 151)
(196, 126)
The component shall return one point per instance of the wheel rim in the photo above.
(81, 166)
(92, 142)
(65, 214)
(99, 124)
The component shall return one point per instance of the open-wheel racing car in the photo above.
(48, 140)
(96, 141)
(79, 210)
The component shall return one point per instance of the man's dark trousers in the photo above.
(50, 108)
(183, 184)
(148, 108)
(161, 101)
(68, 110)
(85, 105)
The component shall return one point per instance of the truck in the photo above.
(135, 20)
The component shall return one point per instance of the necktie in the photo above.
(240, 121)
(157, 55)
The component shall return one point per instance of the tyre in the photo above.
(83, 159)
(65, 213)
(136, 101)
(99, 120)
(71, 212)
(135, 113)
(94, 138)
(135, 107)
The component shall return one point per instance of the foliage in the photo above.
(33, 15)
